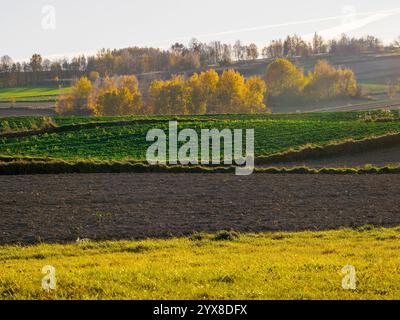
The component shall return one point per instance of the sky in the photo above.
(57, 28)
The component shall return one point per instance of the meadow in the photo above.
(225, 265)
(105, 141)
(31, 94)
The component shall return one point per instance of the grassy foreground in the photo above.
(303, 265)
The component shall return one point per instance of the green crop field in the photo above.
(306, 265)
(31, 94)
(273, 134)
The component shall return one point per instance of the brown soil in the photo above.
(61, 208)
(27, 111)
(382, 157)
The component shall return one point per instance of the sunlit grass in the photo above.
(304, 265)
(31, 93)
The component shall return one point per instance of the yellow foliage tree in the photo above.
(170, 97)
(284, 79)
(327, 82)
(202, 89)
(230, 92)
(347, 82)
(208, 93)
(76, 102)
(254, 95)
(117, 97)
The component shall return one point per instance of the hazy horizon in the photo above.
(55, 28)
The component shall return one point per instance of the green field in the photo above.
(273, 134)
(375, 88)
(305, 265)
(31, 94)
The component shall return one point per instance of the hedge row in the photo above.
(21, 167)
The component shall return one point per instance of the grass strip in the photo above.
(348, 146)
(33, 166)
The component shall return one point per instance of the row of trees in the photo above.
(295, 46)
(202, 93)
(288, 83)
(39, 70)
(197, 54)
(108, 97)
(208, 92)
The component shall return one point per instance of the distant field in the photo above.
(373, 71)
(369, 68)
(306, 265)
(31, 94)
(273, 133)
(375, 88)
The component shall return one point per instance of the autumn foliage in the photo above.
(76, 102)
(287, 83)
(326, 82)
(103, 97)
(208, 92)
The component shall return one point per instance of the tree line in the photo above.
(196, 54)
(208, 92)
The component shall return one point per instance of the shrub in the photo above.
(198, 236)
(364, 228)
(226, 236)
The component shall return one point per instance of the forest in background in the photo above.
(208, 92)
(135, 60)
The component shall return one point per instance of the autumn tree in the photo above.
(326, 82)
(347, 83)
(118, 96)
(119, 101)
(36, 65)
(273, 50)
(75, 102)
(318, 44)
(239, 50)
(6, 63)
(170, 97)
(284, 79)
(230, 92)
(255, 89)
(202, 92)
(252, 51)
(208, 93)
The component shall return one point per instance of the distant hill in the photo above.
(369, 68)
